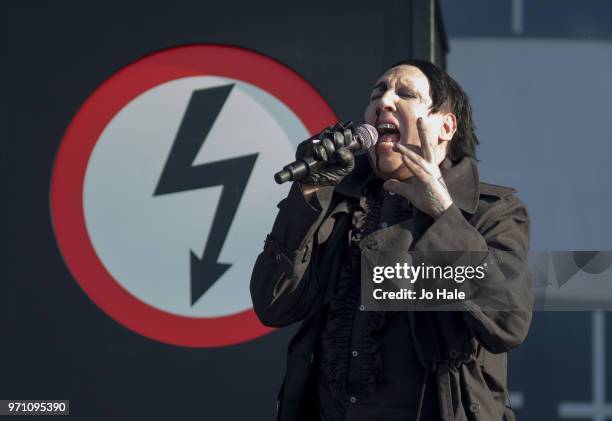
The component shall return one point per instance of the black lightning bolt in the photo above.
(180, 175)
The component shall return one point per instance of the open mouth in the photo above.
(387, 132)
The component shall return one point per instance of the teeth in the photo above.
(387, 128)
(384, 126)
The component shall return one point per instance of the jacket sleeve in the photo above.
(503, 234)
(284, 283)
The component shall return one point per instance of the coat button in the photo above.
(453, 353)
(474, 407)
(355, 353)
(361, 307)
(353, 399)
(383, 225)
(277, 256)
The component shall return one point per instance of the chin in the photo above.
(390, 166)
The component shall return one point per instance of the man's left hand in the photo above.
(426, 190)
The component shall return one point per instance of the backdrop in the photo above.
(118, 194)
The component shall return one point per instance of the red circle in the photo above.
(95, 114)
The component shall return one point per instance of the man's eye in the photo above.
(375, 96)
(406, 94)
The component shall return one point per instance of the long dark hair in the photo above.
(447, 95)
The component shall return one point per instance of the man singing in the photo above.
(417, 189)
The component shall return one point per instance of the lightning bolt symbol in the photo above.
(180, 175)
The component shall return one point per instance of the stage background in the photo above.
(538, 76)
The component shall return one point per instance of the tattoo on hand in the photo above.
(434, 200)
(441, 181)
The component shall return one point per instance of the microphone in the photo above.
(364, 137)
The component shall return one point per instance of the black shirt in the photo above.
(369, 369)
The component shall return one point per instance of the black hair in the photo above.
(448, 96)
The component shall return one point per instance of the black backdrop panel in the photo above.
(56, 343)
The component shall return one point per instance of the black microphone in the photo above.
(364, 137)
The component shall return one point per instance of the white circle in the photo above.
(144, 241)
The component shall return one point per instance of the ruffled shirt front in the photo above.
(368, 368)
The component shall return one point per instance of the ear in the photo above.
(448, 127)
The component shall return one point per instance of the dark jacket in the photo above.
(295, 275)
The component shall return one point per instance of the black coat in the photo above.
(294, 277)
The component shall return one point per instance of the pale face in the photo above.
(397, 100)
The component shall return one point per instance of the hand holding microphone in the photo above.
(326, 158)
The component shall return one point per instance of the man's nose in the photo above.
(387, 101)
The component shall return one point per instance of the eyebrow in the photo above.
(383, 86)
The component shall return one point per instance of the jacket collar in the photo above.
(461, 179)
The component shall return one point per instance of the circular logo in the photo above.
(162, 190)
